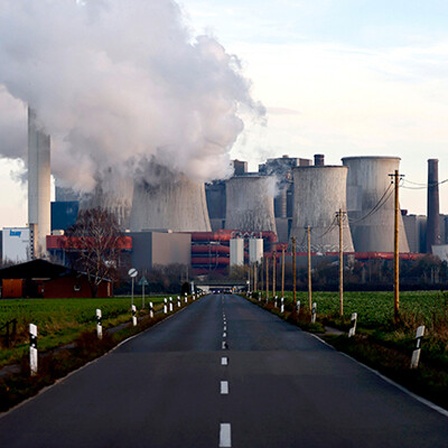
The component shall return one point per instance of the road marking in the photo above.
(224, 361)
(225, 435)
(224, 387)
(224, 335)
(224, 345)
(225, 327)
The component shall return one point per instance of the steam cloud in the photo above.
(117, 83)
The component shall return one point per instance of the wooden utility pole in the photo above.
(267, 278)
(396, 181)
(294, 270)
(340, 215)
(310, 286)
(283, 271)
(274, 273)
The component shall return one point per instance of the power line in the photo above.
(383, 199)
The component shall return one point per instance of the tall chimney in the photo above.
(433, 223)
(39, 186)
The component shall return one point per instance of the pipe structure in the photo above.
(433, 223)
(370, 203)
(39, 185)
(319, 192)
(250, 203)
(170, 202)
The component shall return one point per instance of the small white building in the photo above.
(16, 244)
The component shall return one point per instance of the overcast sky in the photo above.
(337, 77)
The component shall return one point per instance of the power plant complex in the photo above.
(233, 221)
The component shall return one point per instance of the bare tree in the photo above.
(95, 243)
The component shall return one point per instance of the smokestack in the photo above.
(319, 160)
(39, 186)
(433, 223)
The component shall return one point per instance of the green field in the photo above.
(60, 321)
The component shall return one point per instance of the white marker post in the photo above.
(313, 313)
(33, 349)
(134, 315)
(151, 310)
(99, 326)
(282, 306)
(179, 304)
(186, 298)
(165, 306)
(416, 353)
(298, 307)
(353, 320)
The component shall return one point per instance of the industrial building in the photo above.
(171, 219)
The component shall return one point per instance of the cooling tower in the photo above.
(433, 223)
(173, 202)
(39, 186)
(370, 203)
(250, 203)
(319, 193)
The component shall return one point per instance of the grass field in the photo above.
(60, 321)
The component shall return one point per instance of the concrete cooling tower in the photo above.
(250, 204)
(174, 202)
(370, 203)
(39, 186)
(319, 193)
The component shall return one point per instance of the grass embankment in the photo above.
(66, 337)
(380, 342)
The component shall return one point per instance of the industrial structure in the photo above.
(320, 193)
(169, 201)
(370, 203)
(250, 203)
(172, 219)
(39, 185)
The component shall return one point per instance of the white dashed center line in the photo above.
(225, 435)
(224, 361)
(224, 387)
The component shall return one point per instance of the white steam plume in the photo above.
(115, 82)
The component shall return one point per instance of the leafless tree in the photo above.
(95, 243)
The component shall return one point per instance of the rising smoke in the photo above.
(116, 83)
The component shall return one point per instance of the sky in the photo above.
(335, 77)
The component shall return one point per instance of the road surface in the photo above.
(224, 373)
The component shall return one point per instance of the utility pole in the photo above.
(340, 215)
(396, 180)
(283, 271)
(267, 278)
(294, 271)
(310, 286)
(274, 273)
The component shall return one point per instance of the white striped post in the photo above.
(33, 349)
(186, 298)
(275, 302)
(99, 326)
(282, 306)
(179, 304)
(165, 306)
(134, 315)
(313, 313)
(298, 307)
(151, 310)
(353, 320)
(416, 353)
(171, 304)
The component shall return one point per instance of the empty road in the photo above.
(224, 373)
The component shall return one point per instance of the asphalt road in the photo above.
(224, 373)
